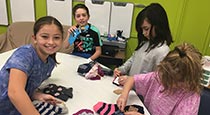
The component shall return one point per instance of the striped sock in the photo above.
(45, 108)
(105, 109)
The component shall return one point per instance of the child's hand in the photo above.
(72, 29)
(117, 72)
(50, 99)
(46, 98)
(122, 79)
(121, 102)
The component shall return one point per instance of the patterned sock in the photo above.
(105, 109)
(137, 108)
(59, 92)
(45, 108)
(84, 112)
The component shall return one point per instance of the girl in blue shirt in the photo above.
(28, 67)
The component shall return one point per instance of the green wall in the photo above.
(189, 21)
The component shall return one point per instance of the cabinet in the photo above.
(113, 53)
(116, 60)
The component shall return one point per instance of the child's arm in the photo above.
(97, 53)
(122, 100)
(125, 68)
(117, 72)
(17, 93)
(45, 98)
(70, 31)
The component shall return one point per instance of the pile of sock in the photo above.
(91, 70)
(95, 73)
(111, 109)
(45, 108)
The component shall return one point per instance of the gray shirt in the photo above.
(144, 62)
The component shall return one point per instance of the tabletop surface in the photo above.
(86, 93)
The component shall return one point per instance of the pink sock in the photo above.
(105, 109)
(84, 112)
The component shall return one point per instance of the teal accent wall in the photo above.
(189, 21)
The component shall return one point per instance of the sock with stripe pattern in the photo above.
(45, 108)
(111, 109)
(105, 109)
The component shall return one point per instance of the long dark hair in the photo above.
(48, 20)
(157, 17)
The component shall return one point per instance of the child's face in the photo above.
(81, 17)
(146, 27)
(48, 40)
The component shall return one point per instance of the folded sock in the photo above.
(105, 109)
(84, 112)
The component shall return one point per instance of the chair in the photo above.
(204, 108)
(19, 33)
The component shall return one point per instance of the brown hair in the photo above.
(181, 69)
(78, 6)
(47, 20)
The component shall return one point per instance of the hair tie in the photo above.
(181, 53)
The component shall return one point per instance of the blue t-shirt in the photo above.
(27, 60)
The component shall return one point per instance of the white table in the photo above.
(86, 93)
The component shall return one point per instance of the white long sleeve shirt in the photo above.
(144, 62)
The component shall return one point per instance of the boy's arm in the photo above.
(97, 53)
